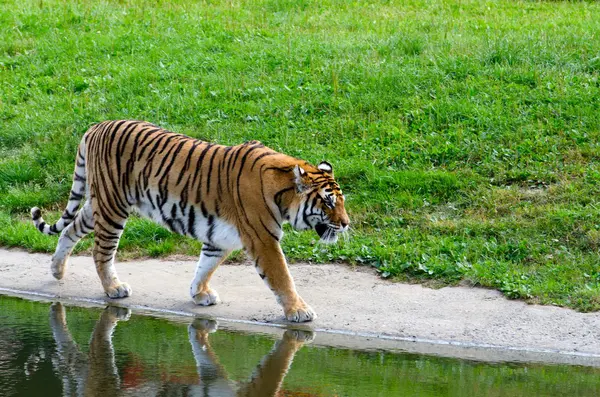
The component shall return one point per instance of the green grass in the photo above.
(465, 134)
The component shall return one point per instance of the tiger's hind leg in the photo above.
(81, 226)
(107, 233)
(210, 258)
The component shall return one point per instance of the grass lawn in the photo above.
(465, 134)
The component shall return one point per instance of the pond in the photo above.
(49, 349)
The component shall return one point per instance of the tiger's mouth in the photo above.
(326, 233)
(321, 229)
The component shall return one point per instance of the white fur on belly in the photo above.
(224, 235)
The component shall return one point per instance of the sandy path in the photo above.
(347, 300)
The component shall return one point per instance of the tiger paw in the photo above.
(121, 290)
(57, 312)
(206, 298)
(298, 336)
(205, 325)
(118, 313)
(300, 313)
(198, 331)
(59, 267)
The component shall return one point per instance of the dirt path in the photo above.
(347, 301)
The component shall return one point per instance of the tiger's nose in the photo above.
(344, 224)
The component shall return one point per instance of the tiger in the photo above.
(267, 378)
(94, 373)
(227, 197)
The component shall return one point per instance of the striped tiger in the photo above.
(227, 197)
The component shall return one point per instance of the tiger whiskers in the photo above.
(346, 235)
(329, 237)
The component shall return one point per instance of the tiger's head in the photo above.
(321, 202)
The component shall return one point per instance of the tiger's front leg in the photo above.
(210, 258)
(271, 266)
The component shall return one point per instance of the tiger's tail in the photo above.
(77, 193)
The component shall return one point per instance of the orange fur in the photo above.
(228, 197)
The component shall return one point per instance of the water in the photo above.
(52, 350)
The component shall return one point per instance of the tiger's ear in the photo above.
(301, 178)
(325, 167)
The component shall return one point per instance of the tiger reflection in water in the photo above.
(96, 374)
(267, 377)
